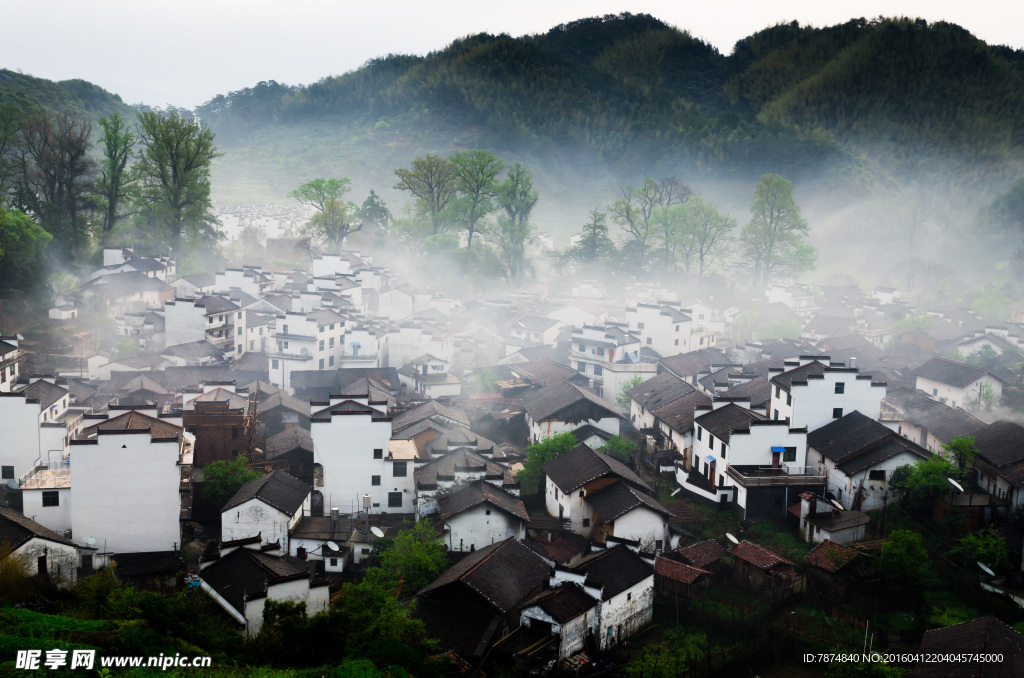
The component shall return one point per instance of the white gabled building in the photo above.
(564, 407)
(37, 426)
(813, 391)
(480, 514)
(43, 551)
(269, 507)
(959, 385)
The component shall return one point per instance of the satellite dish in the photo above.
(377, 532)
(675, 491)
(837, 505)
(986, 569)
(334, 547)
(90, 540)
(955, 484)
(731, 538)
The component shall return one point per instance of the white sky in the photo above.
(184, 52)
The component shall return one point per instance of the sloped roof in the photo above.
(219, 395)
(758, 389)
(876, 455)
(723, 421)
(951, 373)
(616, 569)
(688, 364)
(986, 635)
(659, 391)
(288, 440)
(477, 493)
(551, 400)
(1001, 443)
(194, 350)
(17, 529)
(277, 489)
(848, 435)
(134, 421)
(248, 573)
(543, 372)
(45, 392)
(349, 407)
(702, 553)
(917, 408)
(798, 375)
(678, 415)
(617, 499)
(502, 574)
(758, 556)
(427, 410)
(580, 465)
(282, 399)
(681, 572)
(563, 604)
(461, 460)
(830, 556)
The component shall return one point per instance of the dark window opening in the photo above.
(7, 472)
(375, 480)
(837, 412)
(876, 475)
(399, 469)
(789, 454)
(394, 500)
(840, 387)
(51, 498)
(378, 453)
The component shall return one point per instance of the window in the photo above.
(375, 481)
(778, 392)
(776, 415)
(586, 522)
(487, 512)
(837, 412)
(252, 345)
(366, 552)
(239, 315)
(650, 341)
(234, 432)
(334, 562)
(582, 493)
(640, 325)
(7, 472)
(394, 500)
(51, 498)
(702, 341)
(789, 454)
(273, 363)
(600, 351)
(286, 344)
(723, 449)
(284, 329)
(330, 361)
(321, 344)
(399, 470)
(378, 453)
(877, 475)
(331, 343)
(581, 367)
(789, 398)
(711, 442)
(677, 342)
(583, 348)
(321, 363)
(935, 391)
(332, 326)
(840, 387)
(698, 433)
(598, 370)
(321, 330)
(209, 319)
(677, 328)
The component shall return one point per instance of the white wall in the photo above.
(184, 322)
(633, 609)
(61, 560)
(966, 397)
(474, 529)
(254, 517)
(813, 403)
(641, 524)
(539, 430)
(56, 518)
(124, 491)
(297, 591)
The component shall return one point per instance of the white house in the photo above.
(664, 327)
(429, 376)
(10, 357)
(43, 551)
(564, 407)
(595, 348)
(957, 384)
(812, 392)
(243, 578)
(127, 481)
(1000, 461)
(37, 425)
(569, 611)
(480, 514)
(269, 506)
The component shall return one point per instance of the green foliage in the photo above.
(414, 559)
(224, 478)
(619, 448)
(14, 574)
(671, 657)
(125, 348)
(516, 197)
(431, 181)
(117, 183)
(475, 174)
(776, 236)
(902, 559)
(784, 328)
(174, 171)
(623, 399)
(594, 245)
(531, 478)
(924, 480)
(993, 306)
(22, 248)
(962, 450)
(987, 546)
(335, 219)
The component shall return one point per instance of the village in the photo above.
(598, 463)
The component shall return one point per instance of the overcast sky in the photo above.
(184, 52)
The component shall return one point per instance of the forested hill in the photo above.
(633, 91)
(30, 94)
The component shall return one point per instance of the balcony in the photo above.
(766, 476)
(55, 476)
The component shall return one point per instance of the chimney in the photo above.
(334, 515)
(853, 361)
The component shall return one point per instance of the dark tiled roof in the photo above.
(247, 573)
(282, 399)
(45, 392)
(219, 395)
(617, 569)
(757, 389)
(619, 498)
(677, 571)
(347, 407)
(678, 415)
(543, 372)
(1001, 443)
(847, 435)
(726, 419)
(950, 372)
(466, 630)
(688, 364)
(563, 604)
(133, 421)
(17, 529)
(477, 493)
(502, 574)
(461, 460)
(276, 489)
(563, 547)
(915, 407)
(798, 374)
(758, 556)
(987, 635)
(551, 400)
(580, 465)
(830, 556)
(194, 350)
(660, 391)
(702, 553)
(288, 440)
(428, 410)
(876, 455)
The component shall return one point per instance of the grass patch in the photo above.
(781, 538)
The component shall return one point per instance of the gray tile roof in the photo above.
(276, 489)
(17, 529)
(581, 465)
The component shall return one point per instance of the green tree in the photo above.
(634, 210)
(992, 305)
(334, 219)
(623, 399)
(413, 559)
(709, 230)
(476, 179)
(784, 328)
(516, 197)
(776, 235)
(676, 239)
(619, 448)
(924, 480)
(375, 216)
(987, 546)
(174, 171)
(962, 450)
(594, 243)
(116, 186)
(531, 478)
(22, 248)
(675, 655)
(431, 180)
(902, 559)
(10, 125)
(223, 478)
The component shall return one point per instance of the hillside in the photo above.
(30, 93)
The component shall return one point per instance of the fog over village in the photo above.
(590, 351)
